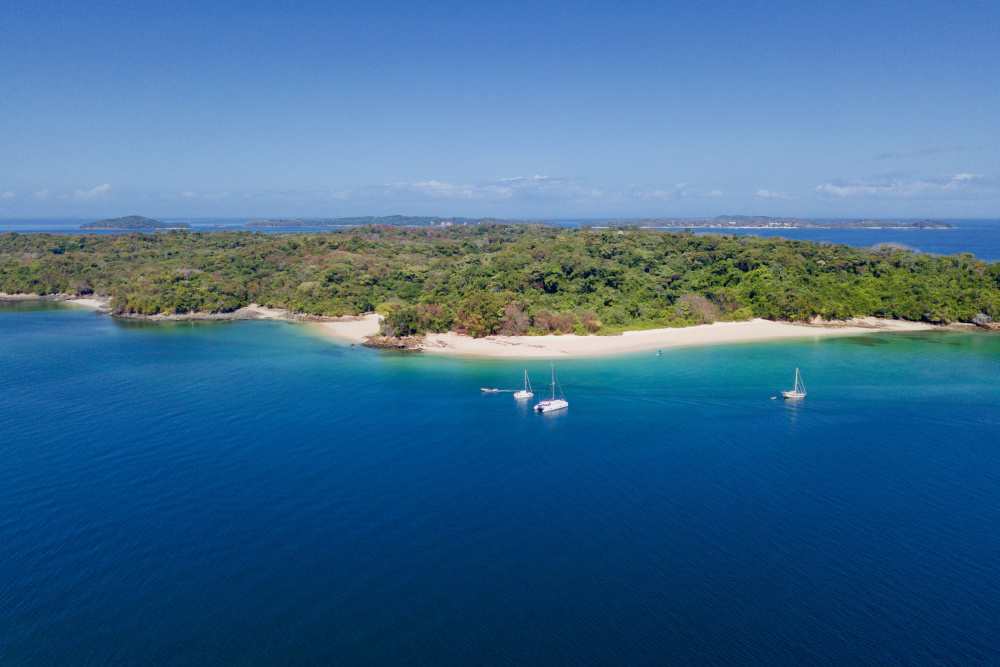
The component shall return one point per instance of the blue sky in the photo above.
(512, 109)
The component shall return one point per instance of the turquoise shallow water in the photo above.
(253, 493)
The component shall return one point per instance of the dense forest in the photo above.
(496, 278)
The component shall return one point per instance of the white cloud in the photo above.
(92, 192)
(957, 186)
(534, 190)
(41, 194)
(187, 194)
(6, 195)
(498, 189)
(771, 194)
(918, 152)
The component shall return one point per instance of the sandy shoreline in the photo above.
(654, 339)
(355, 330)
(358, 329)
(95, 302)
(630, 341)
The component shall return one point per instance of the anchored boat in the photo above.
(799, 391)
(526, 392)
(551, 404)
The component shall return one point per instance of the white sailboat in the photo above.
(799, 391)
(550, 404)
(526, 392)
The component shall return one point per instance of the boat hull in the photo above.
(551, 405)
(793, 395)
(519, 395)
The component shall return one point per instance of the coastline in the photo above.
(252, 311)
(570, 345)
(94, 302)
(361, 329)
(757, 330)
(355, 329)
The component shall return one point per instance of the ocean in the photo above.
(257, 493)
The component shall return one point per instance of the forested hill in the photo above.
(503, 279)
(134, 222)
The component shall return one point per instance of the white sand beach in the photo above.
(357, 329)
(631, 341)
(354, 329)
(263, 312)
(95, 302)
(652, 339)
(87, 302)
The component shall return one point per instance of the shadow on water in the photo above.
(138, 325)
(866, 341)
(922, 337)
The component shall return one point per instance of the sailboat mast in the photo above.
(553, 368)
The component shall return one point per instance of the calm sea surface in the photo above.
(254, 493)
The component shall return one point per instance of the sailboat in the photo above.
(526, 392)
(550, 404)
(799, 391)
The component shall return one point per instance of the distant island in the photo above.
(134, 222)
(391, 220)
(762, 222)
(721, 222)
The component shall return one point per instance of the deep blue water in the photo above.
(254, 493)
(979, 237)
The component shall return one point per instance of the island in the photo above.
(495, 279)
(763, 222)
(392, 220)
(720, 222)
(134, 223)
